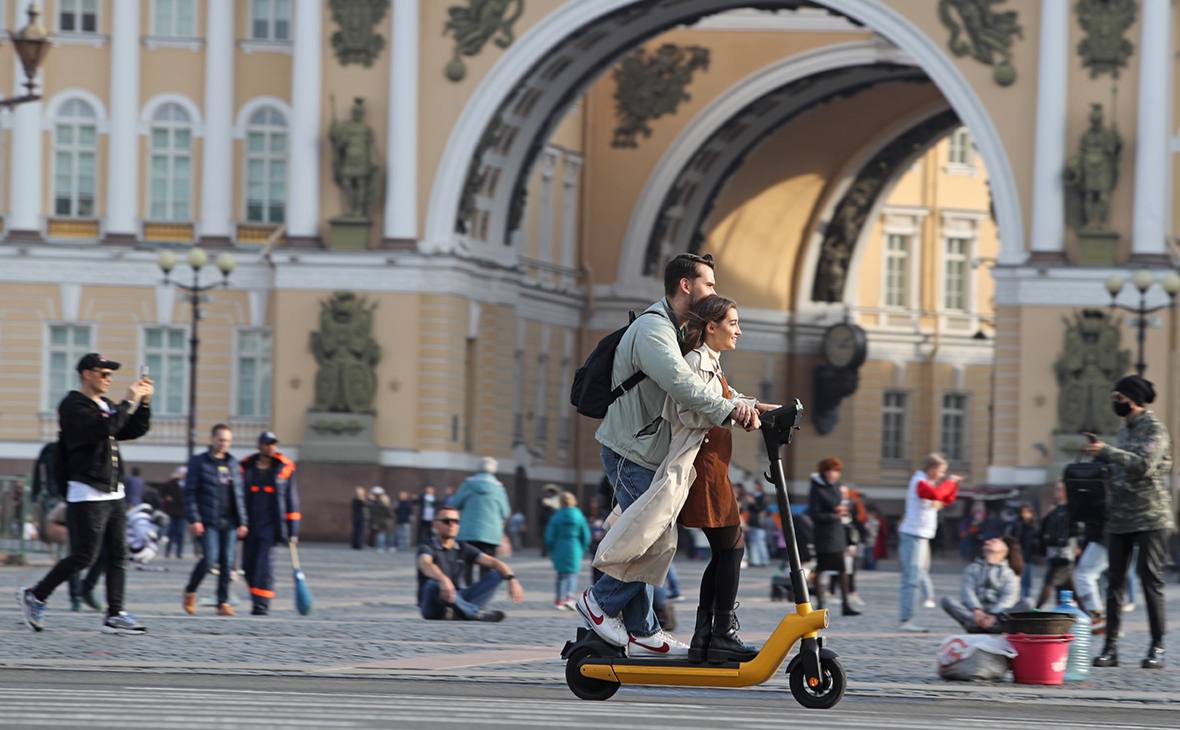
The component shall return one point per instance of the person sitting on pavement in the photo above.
(441, 563)
(990, 587)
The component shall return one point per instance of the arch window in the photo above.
(266, 166)
(171, 164)
(75, 160)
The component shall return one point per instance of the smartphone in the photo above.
(1092, 438)
(143, 371)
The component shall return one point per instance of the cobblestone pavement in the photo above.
(365, 625)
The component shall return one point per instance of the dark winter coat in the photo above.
(276, 484)
(202, 492)
(822, 501)
(90, 436)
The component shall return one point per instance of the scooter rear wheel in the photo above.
(829, 692)
(587, 688)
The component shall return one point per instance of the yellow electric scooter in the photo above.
(595, 670)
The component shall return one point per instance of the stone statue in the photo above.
(473, 26)
(988, 34)
(1087, 369)
(347, 355)
(353, 168)
(650, 86)
(1093, 173)
(1104, 49)
(356, 41)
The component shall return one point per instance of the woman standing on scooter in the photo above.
(712, 328)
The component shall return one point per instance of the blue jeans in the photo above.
(910, 559)
(1026, 581)
(756, 546)
(567, 585)
(632, 600)
(176, 529)
(469, 601)
(219, 543)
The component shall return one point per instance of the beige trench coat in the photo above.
(641, 541)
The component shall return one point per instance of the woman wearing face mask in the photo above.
(1139, 512)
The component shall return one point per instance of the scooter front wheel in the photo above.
(587, 688)
(824, 694)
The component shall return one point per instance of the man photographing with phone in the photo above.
(91, 468)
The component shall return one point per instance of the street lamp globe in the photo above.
(1114, 284)
(197, 257)
(166, 261)
(226, 263)
(32, 45)
(1142, 279)
(1171, 283)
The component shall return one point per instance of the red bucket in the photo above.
(1040, 659)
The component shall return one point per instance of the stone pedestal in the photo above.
(1097, 248)
(348, 233)
(339, 437)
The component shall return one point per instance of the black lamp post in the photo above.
(1143, 281)
(195, 293)
(31, 44)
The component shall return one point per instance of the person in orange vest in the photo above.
(272, 507)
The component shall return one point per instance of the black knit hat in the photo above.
(1137, 388)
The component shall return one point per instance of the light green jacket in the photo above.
(634, 427)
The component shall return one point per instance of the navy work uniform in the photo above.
(272, 503)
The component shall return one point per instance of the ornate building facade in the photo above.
(511, 181)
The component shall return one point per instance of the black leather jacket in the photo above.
(90, 438)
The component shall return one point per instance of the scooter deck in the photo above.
(678, 662)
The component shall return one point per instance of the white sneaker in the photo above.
(1128, 607)
(856, 600)
(659, 644)
(913, 628)
(609, 628)
(929, 603)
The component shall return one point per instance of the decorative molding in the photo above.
(153, 42)
(650, 86)
(1104, 49)
(803, 20)
(93, 40)
(50, 113)
(473, 26)
(243, 118)
(357, 39)
(983, 33)
(147, 115)
(251, 45)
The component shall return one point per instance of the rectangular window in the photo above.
(173, 19)
(893, 417)
(165, 352)
(954, 426)
(253, 373)
(957, 255)
(270, 20)
(897, 270)
(961, 152)
(67, 344)
(77, 16)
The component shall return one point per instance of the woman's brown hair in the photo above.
(828, 464)
(712, 308)
(1015, 557)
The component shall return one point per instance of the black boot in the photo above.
(1155, 657)
(726, 645)
(1109, 656)
(698, 649)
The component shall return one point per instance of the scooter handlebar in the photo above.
(780, 425)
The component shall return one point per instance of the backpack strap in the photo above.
(639, 375)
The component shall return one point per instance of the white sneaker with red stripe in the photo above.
(609, 628)
(659, 644)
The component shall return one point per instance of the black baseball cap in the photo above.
(93, 360)
(268, 437)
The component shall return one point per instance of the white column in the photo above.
(572, 175)
(122, 161)
(1048, 203)
(25, 181)
(401, 148)
(217, 168)
(1152, 159)
(303, 204)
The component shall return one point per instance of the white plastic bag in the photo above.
(970, 657)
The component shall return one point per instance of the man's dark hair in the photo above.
(684, 266)
(219, 427)
(135, 471)
(445, 508)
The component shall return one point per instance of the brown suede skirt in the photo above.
(710, 500)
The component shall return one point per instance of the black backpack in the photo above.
(591, 393)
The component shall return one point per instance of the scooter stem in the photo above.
(798, 583)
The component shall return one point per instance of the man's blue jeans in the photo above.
(219, 542)
(469, 601)
(910, 558)
(632, 600)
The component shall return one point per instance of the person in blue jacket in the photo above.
(216, 506)
(272, 506)
(484, 505)
(567, 537)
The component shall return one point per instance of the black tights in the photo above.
(719, 583)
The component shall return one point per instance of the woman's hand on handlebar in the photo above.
(766, 407)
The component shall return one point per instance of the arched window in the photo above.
(75, 160)
(266, 166)
(171, 166)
